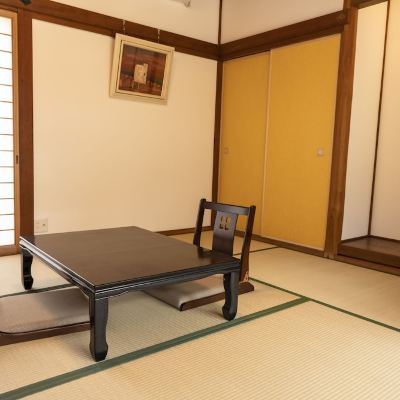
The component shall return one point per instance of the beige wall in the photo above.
(386, 211)
(371, 30)
(105, 162)
(199, 21)
(245, 18)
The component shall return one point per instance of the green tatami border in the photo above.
(393, 328)
(116, 361)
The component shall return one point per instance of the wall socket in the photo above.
(41, 225)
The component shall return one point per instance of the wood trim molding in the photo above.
(289, 246)
(283, 244)
(217, 131)
(366, 3)
(341, 134)
(217, 120)
(25, 90)
(306, 30)
(75, 17)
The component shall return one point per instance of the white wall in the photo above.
(386, 211)
(243, 18)
(106, 162)
(371, 30)
(199, 21)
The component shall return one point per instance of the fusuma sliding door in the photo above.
(301, 115)
(244, 104)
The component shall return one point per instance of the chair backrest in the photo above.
(224, 229)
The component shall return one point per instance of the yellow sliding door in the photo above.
(243, 126)
(301, 115)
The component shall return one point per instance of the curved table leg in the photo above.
(26, 264)
(98, 310)
(231, 285)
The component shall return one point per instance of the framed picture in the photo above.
(140, 69)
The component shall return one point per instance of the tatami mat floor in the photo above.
(10, 275)
(305, 352)
(369, 293)
(303, 334)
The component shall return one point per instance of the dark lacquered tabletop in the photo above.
(105, 256)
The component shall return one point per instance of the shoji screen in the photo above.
(244, 105)
(299, 141)
(8, 136)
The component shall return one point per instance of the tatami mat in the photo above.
(206, 241)
(304, 352)
(135, 321)
(369, 293)
(10, 275)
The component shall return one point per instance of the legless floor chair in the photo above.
(184, 296)
(31, 316)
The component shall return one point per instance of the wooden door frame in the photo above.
(341, 132)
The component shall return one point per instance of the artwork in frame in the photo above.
(140, 69)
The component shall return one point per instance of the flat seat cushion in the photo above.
(45, 310)
(180, 293)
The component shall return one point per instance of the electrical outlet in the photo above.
(41, 225)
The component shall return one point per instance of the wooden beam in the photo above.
(217, 119)
(94, 22)
(366, 3)
(306, 30)
(25, 91)
(341, 134)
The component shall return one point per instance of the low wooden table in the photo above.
(110, 262)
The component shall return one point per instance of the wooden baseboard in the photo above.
(285, 245)
(244, 287)
(292, 246)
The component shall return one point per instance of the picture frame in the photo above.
(140, 69)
